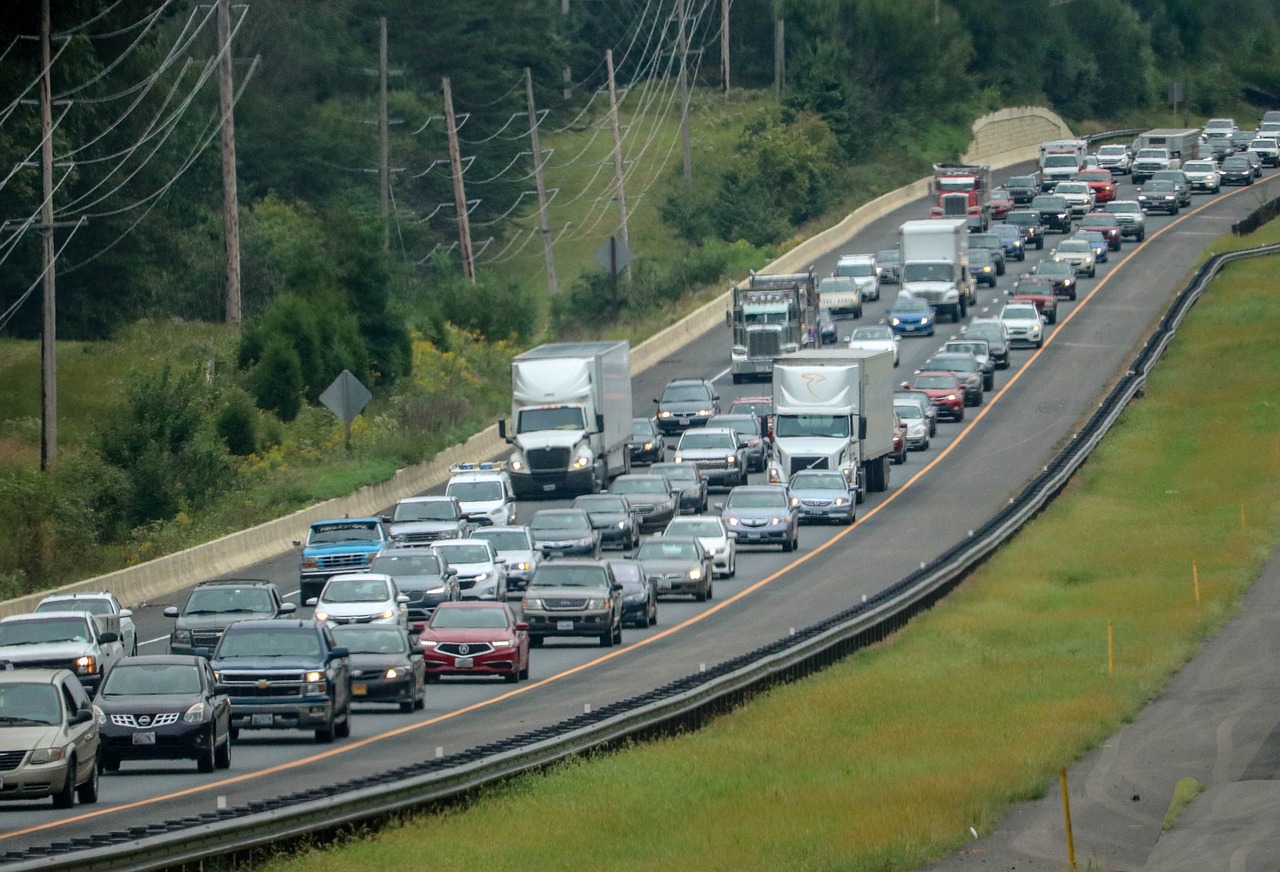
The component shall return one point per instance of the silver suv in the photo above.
(1129, 216)
(573, 598)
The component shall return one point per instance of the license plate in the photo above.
(564, 625)
(359, 689)
(464, 662)
(548, 488)
(664, 585)
(262, 720)
(144, 738)
(754, 535)
(684, 422)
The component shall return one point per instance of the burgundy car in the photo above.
(1104, 187)
(761, 407)
(899, 454)
(475, 638)
(1105, 223)
(944, 390)
(1001, 203)
(1043, 291)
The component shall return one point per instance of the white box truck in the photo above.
(833, 409)
(935, 264)
(570, 418)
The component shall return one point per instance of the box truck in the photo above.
(935, 264)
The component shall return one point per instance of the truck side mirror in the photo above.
(599, 423)
(862, 426)
(502, 429)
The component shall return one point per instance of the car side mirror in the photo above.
(297, 543)
(83, 716)
(718, 506)
(311, 601)
(521, 625)
(401, 598)
(615, 587)
(655, 399)
(206, 653)
(108, 637)
(501, 560)
(171, 611)
(451, 572)
(126, 613)
(337, 653)
(733, 534)
(286, 609)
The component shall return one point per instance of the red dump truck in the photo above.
(962, 191)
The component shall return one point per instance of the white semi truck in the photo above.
(935, 264)
(570, 418)
(833, 409)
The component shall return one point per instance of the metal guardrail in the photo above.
(679, 705)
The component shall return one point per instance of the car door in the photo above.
(221, 702)
(84, 735)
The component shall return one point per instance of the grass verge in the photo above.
(885, 761)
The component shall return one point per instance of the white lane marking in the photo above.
(153, 641)
(720, 375)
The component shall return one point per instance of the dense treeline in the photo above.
(873, 90)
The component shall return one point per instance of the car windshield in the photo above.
(456, 554)
(505, 540)
(662, 548)
(343, 531)
(642, 427)
(756, 499)
(536, 420)
(915, 271)
(219, 600)
(362, 591)
(680, 472)
(906, 411)
(1236, 163)
(559, 521)
(1074, 245)
(638, 486)
(975, 348)
(703, 439)
(1200, 166)
(988, 332)
(862, 268)
(51, 630)
(824, 480)
(864, 334)
(704, 527)
(747, 426)
(827, 426)
(151, 679)
(1157, 186)
(1061, 160)
(752, 407)
(980, 256)
(475, 491)
(469, 618)
(934, 382)
(600, 503)
(1111, 151)
(92, 606)
(244, 641)
(911, 305)
(559, 575)
(360, 639)
(685, 394)
(432, 510)
(24, 705)
(396, 564)
(953, 362)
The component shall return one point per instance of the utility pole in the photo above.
(48, 333)
(459, 193)
(779, 56)
(544, 223)
(617, 153)
(230, 195)
(384, 139)
(685, 145)
(568, 74)
(724, 46)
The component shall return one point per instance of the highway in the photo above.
(934, 500)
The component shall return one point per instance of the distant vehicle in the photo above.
(911, 316)
(991, 243)
(385, 666)
(878, 337)
(1105, 223)
(1022, 188)
(992, 331)
(716, 540)
(655, 498)
(1055, 212)
(476, 639)
(1100, 180)
(613, 518)
(164, 707)
(1203, 175)
(573, 597)
(862, 269)
(361, 598)
(685, 403)
(1129, 216)
(565, 532)
(1079, 253)
(1158, 196)
(646, 443)
(889, 265)
(639, 598)
(921, 400)
(98, 603)
(428, 519)
(213, 605)
(761, 407)
(913, 418)
(687, 483)
(482, 574)
(823, 495)
(966, 368)
(677, 565)
(1062, 274)
(1028, 222)
(1042, 292)
(827, 334)
(423, 577)
(840, 295)
(484, 491)
(1116, 158)
(1236, 170)
(1079, 196)
(718, 452)
(944, 389)
(85, 643)
(515, 545)
(1097, 241)
(762, 515)
(51, 737)
(1024, 324)
(980, 349)
(1268, 149)
(1010, 235)
(750, 435)
(983, 267)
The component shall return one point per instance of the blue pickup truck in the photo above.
(340, 545)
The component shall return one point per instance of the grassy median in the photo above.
(885, 761)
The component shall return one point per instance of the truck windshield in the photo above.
(926, 272)
(825, 426)
(557, 418)
(1061, 160)
(764, 316)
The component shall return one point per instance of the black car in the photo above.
(993, 332)
(1236, 170)
(564, 532)
(992, 243)
(164, 707)
(646, 443)
(685, 403)
(826, 327)
(1054, 211)
(613, 517)
(639, 596)
(385, 666)
(1023, 188)
(423, 576)
(1029, 223)
(688, 481)
(1159, 196)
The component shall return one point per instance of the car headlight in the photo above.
(839, 501)
(321, 616)
(705, 412)
(523, 566)
(924, 320)
(733, 521)
(648, 446)
(666, 414)
(582, 461)
(315, 675)
(528, 604)
(695, 573)
(773, 522)
(679, 458)
(597, 604)
(86, 665)
(392, 674)
(183, 636)
(951, 396)
(795, 501)
(895, 321)
(731, 459)
(503, 643)
(40, 756)
(428, 643)
(387, 614)
(310, 563)
(196, 714)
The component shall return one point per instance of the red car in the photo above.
(1042, 291)
(1001, 203)
(1105, 223)
(1104, 187)
(899, 454)
(944, 389)
(761, 407)
(475, 638)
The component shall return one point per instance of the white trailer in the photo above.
(935, 264)
(571, 416)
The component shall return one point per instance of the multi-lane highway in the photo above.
(970, 470)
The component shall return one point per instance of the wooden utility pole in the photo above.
(779, 57)
(724, 46)
(459, 192)
(617, 153)
(384, 139)
(49, 320)
(230, 195)
(543, 221)
(685, 145)
(568, 74)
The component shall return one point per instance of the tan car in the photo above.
(48, 737)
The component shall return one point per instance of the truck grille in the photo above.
(259, 686)
(564, 604)
(799, 463)
(9, 760)
(955, 205)
(930, 296)
(205, 638)
(547, 458)
(762, 343)
(343, 562)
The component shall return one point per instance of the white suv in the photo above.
(484, 492)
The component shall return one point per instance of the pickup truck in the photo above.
(285, 674)
(87, 644)
(340, 545)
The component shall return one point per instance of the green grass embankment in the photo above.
(885, 761)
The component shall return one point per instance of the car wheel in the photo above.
(988, 384)
(1092, 274)
(343, 729)
(207, 761)
(924, 447)
(789, 545)
(512, 677)
(617, 632)
(222, 755)
(524, 673)
(960, 414)
(606, 638)
(87, 793)
(324, 734)
(711, 592)
(653, 613)
(66, 797)
(1039, 245)
(110, 763)
(235, 733)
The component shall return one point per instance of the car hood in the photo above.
(266, 664)
(686, 408)
(45, 651)
(374, 660)
(466, 634)
(347, 610)
(644, 500)
(607, 518)
(664, 567)
(1021, 322)
(31, 737)
(871, 345)
(406, 583)
(921, 287)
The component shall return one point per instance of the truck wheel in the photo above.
(963, 310)
(343, 729)
(324, 734)
(737, 379)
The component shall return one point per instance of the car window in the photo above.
(434, 510)
(244, 641)
(505, 540)
(363, 640)
(343, 531)
(662, 548)
(756, 499)
(23, 705)
(51, 630)
(475, 491)
(463, 553)
(685, 393)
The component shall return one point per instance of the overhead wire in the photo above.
(119, 59)
(7, 315)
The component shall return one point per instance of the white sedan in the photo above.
(1078, 253)
(1023, 323)
(716, 540)
(876, 337)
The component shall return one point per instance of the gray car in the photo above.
(927, 408)
(573, 598)
(718, 452)
(762, 514)
(516, 544)
(750, 435)
(688, 482)
(677, 565)
(613, 517)
(651, 495)
(979, 349)
(564, 533)
(822, 495)
(423, 576)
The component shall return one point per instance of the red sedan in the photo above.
(1104, 187)
(1001, 203)
(1041, 291)
(475, 638)
(944, 389)
(1105, 223)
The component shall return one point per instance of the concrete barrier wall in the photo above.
(1001, 139)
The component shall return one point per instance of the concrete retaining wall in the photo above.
(1001, 139)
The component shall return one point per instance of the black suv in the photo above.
(1055, 213)
(1022, 188)
(214, 605)
(1028, 222)
(285, 675)
(686, 402)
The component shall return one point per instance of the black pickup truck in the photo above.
(285, 675)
